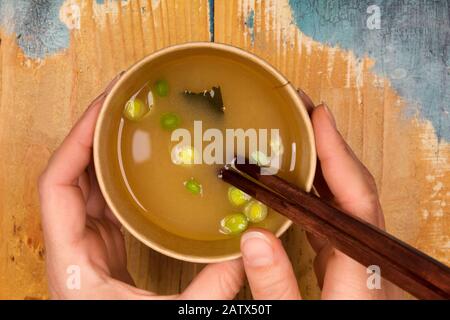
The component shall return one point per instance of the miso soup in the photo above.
(176, 186)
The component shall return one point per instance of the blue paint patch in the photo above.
(36, 24)
(211, 20)
(250, 23)
(411, 49)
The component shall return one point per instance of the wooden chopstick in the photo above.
(400, 263)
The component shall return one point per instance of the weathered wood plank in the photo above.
(45, 85)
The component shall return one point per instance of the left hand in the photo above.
(81, 234)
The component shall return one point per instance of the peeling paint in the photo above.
(69, 14)
(37, 26)
(211, 19)
(250, 23)
(412, 48)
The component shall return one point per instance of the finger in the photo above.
(220, 281)
(114, 245)
(267, 266)
(354, 191)
(85, 185)
(316, 242)
(351, 184)
(319, 181)
(109, 215)
(321, 262)
(95, 204)
(345, 278)
(321, 185)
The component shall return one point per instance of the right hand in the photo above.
(352, 188)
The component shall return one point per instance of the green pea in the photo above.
(237, 197)
(260, 158)
(193, 186)
(170, 121)
(184, 155)
(162, 88)
(255, 211)
(135, 109)
(233, 224)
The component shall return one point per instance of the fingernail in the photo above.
(113, 82)
(99, 97)
(107, 90)
(329, 114)
(256, 249)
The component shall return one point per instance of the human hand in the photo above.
(345, 181)
(80, 230)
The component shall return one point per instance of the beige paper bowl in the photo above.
(107, 166)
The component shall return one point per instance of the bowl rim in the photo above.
(293, 95)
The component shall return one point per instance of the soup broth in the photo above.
(189, 199)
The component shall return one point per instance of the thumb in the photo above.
(269, 271)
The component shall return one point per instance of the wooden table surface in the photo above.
(384, 71)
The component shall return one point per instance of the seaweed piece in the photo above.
(212, 96)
